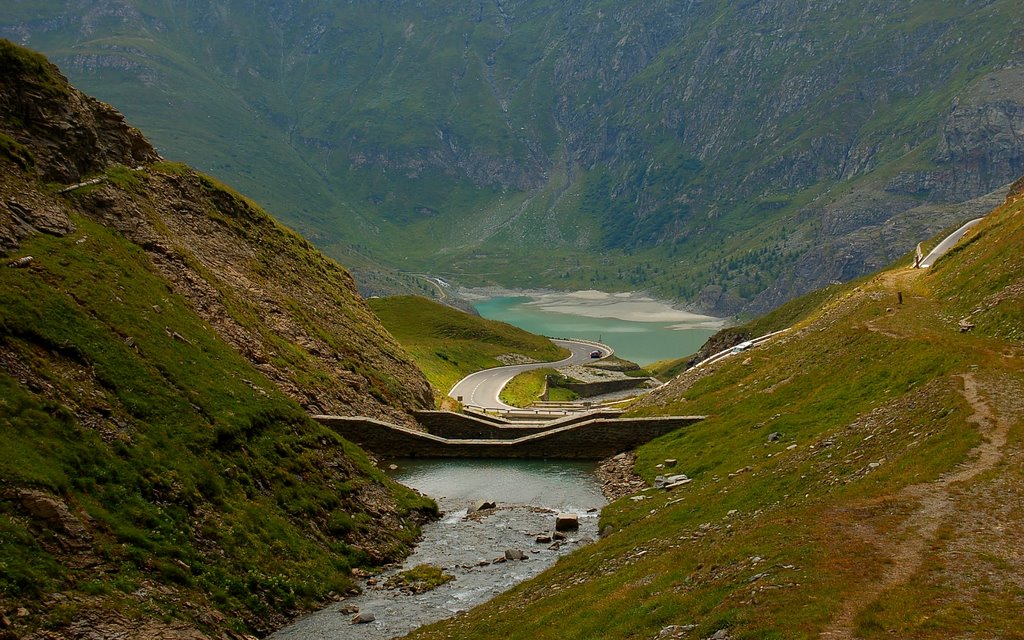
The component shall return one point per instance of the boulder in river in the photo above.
(484, 505)
(515, 554)
(567, 522)
(363, 617)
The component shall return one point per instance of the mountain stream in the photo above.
(465, 544)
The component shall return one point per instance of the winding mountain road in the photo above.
(940, 250)
(481, 389)
(948, 243)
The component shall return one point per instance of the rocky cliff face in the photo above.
(69, 133)
(981, 137)
(692, 135)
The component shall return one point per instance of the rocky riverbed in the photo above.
(479, 548)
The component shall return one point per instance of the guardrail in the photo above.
(721, 355)
(541, 412)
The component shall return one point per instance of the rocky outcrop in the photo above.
(25, 211)
(618, 476)
(68, 133)
(1016, 191)
(50, 515)
(982, 143)
(113, 624)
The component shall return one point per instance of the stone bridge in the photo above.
(589, 436)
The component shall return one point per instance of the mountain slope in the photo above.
(294, 314)
(162, 341)
(731, 155)
(858, 477)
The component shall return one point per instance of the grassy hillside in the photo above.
(162, 342)
(448, 344)
(860, 476)
(781, 318)
(175, 461)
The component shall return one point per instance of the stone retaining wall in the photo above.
(592, 439)
(601, 387)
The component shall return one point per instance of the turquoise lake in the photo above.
(641, 342)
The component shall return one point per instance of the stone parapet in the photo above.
(592, 438)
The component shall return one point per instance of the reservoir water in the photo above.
(466, 545)
(636, 339)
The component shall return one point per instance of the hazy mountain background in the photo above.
(728, 154)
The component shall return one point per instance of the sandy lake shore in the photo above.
(628, 306)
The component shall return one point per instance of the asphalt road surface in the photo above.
(481, 389)
(947, 244)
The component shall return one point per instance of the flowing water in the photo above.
(561, 485)
(635, 339)
(528, 494)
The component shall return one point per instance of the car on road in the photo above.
(596, 354)
(743, 346)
